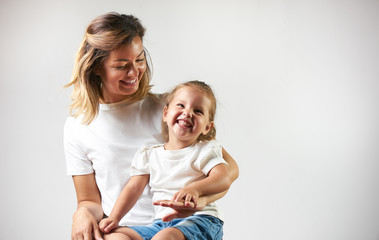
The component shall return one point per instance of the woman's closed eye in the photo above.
(120, 67)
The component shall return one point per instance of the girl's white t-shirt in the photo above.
(107, 147)
(171, 170)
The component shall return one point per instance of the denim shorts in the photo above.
(196, 227)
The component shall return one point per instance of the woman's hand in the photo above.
(89, 211)
(181, 210)
(84, 226)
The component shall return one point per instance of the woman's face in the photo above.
(122, 71)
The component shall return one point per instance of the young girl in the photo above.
(187, 166)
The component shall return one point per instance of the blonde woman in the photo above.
(113, 114)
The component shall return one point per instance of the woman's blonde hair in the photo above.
(103, 35)
(207, 91)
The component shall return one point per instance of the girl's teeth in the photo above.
(184, 123)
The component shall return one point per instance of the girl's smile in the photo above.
(187, 117)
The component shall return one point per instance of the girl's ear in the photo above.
(164, 115)
(208, 128)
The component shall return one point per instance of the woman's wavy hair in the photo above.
(103, 35)
(207, 91)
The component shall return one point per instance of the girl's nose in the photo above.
(187, 113)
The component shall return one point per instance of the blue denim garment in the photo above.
(197, 227)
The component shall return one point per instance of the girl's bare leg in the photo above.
(122, 233)
(169, 234)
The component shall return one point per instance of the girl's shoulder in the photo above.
(209, 143)
(149, 148)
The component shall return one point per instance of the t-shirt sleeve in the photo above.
(76, 159)
(212, 156)
(140, 165)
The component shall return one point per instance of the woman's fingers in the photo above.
(96, 232)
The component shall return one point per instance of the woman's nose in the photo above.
(132, 71)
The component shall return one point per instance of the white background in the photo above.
(298, 90)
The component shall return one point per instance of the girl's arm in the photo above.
(214, 184)
(182, 210)
(89, 211)
(126, 200)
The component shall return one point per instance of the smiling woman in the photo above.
(109, 37)
(113, 115)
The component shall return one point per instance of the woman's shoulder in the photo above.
(156, 97)
(154, 101)
(74, 124)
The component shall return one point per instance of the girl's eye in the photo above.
(199, 112)
(180, 105)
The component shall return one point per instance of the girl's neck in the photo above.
(177, 145)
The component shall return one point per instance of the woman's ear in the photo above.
(97, 70)
(208, 128)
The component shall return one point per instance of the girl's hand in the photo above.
(107, 224)
(84, 225)
(186, 195)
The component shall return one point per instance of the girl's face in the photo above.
(187, 116)
(122, 71)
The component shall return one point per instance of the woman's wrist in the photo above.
(89, 209)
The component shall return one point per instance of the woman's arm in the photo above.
(125, 201)
(233, 167)
(89, 211)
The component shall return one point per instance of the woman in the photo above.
(113, 114)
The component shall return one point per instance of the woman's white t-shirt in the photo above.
(107, 146)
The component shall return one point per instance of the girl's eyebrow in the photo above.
(126, 60)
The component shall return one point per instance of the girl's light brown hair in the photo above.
(208, 92)
(103, 35)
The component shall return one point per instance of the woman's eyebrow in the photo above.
(126, 60)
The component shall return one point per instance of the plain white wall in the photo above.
(297, 84)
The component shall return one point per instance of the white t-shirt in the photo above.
(171, 170)
(107, 146)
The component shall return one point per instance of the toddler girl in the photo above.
(187, 166)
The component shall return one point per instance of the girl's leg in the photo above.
(169, 234)
(122, 233)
